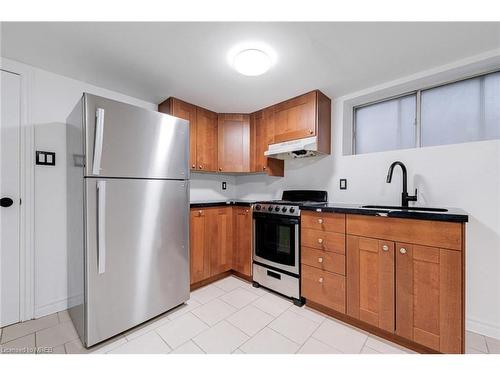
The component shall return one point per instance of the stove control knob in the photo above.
(292, 210)
(270, 208)
(284, 209)
(276, 208)
(257, 207)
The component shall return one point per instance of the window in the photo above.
(388, 125)
(463, 111)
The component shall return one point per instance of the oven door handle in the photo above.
(279, 220)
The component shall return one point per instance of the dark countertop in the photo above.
(453, 214)
(216, 203)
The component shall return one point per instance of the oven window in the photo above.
(275, 240)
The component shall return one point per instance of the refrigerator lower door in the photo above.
(137, 252)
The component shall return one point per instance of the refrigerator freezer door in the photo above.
(145, 227)
(122, 140)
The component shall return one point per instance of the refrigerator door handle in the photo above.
(101, 227)
(99, 132)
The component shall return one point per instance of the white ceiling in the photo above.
(152, 61)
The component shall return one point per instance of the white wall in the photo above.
(465, 175)
(209, 187)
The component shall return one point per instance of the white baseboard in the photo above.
(486, 329)
(51, 308)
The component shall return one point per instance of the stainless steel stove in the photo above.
(276, 241)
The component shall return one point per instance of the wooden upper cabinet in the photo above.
(305, 116)
(262, 135)
(186, 111)
(370, 281)
(199, 252)
(429, 296)
(206, 140)
(242, 256)
(221, 241)
(233, 142)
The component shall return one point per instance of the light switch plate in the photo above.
(45, 158)
(343, 184)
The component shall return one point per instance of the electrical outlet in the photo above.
(343, 184)
(224, 185)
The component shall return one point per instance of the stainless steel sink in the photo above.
(428, 209)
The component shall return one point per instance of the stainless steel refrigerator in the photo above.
(127, 214)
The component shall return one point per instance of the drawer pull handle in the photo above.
(320, 260)
(320, 240)
(320, 221)
(320, 280)
(385, 248)
(402, 250)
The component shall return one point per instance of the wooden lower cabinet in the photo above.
(199, 252)
(370, 281)
(429, 296)
(323, 287)
(220, 241)
(242, 253)
(405, 291)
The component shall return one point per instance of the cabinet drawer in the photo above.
(324, 260)
(323, 221)
(325, 288)
(328, 241)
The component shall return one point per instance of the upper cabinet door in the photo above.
(262, 128)
(128, 141)
(429, 296)
(187, 111)
(370, 281)
(206, 140)
(295, 118)
(234, 143)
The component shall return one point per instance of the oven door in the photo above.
(276, 241)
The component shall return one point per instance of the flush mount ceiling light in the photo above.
(251, 60)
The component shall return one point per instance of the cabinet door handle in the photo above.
(402, 250)
(320, 240)
(310, 131)
(193, 166)
(200, 212)
(320, 221)
(200, 166)
(246, 211)
(220, 168)
(263, 168)
(385, 248)
(320, 260)
(320, 280)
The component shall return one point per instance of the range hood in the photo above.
(299, 148)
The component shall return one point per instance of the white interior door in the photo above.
(10, 109)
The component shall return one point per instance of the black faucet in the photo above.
(405, 198)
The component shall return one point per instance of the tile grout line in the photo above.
(161, 338)
(194, 342)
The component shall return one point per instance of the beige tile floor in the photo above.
(228, 316)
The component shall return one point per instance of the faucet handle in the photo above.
(414, 197)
